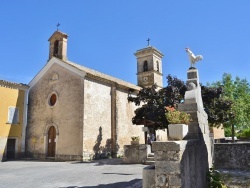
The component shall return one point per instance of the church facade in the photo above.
(76, 113)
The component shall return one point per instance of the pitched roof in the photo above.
(58, 32)
(83, 71)
(101, 76)
(13, 85)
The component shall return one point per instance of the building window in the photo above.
(13, 115)
(56, 48)
(53, 99)
(157, 64)
(145, 66)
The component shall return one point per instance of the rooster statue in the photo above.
(193, 59)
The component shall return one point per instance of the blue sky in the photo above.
(104, 35)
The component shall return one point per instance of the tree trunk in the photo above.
(233, 133)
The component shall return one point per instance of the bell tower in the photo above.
(149, 67)
(58, 45)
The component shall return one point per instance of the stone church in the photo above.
(76, 113)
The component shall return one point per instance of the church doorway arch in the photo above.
(51, 136)
(51, 142)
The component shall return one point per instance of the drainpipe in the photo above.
(113, 121)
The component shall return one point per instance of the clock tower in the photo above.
(149, 67)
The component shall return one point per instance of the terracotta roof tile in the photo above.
(8, 84)
(102, 76)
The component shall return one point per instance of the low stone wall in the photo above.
(136, 154)
(41, 156)
(232, 156)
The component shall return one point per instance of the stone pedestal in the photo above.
(136, 154)
(148, 176)
(198, 128)
(180, 164)
(185, 163)
(168, 163)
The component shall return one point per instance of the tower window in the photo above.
(145, 66)
(157, 64)
(56, 48)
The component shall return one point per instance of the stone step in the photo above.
(28, 159)
(151, 155)
(150, 158)
(149, 162)
(50, 158)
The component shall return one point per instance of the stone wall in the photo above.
(232, 156)
(97, 119)
(125, 128)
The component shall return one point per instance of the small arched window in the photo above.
(56, 48)
(145, 66)
(157, 64)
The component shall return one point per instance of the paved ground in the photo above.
(235, 178)
(108, 173)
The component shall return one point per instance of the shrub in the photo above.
(215, 179)
(177, 117)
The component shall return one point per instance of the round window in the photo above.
(52, 100)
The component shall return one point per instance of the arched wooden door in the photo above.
(52, 142)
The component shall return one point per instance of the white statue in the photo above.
(193, 59)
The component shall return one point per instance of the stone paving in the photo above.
(107, 173)
(235, 178)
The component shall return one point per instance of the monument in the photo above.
(185, 163)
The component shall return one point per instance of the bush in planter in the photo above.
(178, 121)
(176, 117)
(135, 138)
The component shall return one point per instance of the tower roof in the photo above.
(148, 49)
(58, 33)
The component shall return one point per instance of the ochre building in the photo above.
(13, 109)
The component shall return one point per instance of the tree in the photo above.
(238, 91)
(217, 107)
(154, 102)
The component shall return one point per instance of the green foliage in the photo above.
(218, 108)
(238, 91)
(176, 117)
(245, 133)
(228, 131)
(135, 138)
(119, 156)
(215, 179)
